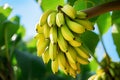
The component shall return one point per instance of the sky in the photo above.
(29, 12)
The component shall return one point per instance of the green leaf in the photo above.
(80, 5)
(4, 12)
(50, 4)
(71, 2)
(104, 23)
(116, 17)
(21, 31)
(116, 30)
(90, 39)
(93, 65)
(31, 66)
(116, 37)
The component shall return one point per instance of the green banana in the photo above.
(86, 23)
(60, 19)
(74, 26)
(62, 42)
(69, 10)
(67, 34)
(53, 34)
(81, 15)
(46, 30)
(45, 56)
(44, 16)
(54, 65)
(51, 20)
(53, 51)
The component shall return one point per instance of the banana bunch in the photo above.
(109, 72)
(58, 40)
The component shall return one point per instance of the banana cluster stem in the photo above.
(103, 8)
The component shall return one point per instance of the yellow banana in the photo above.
(63, 62)
(69, 10)
(81, 52)
(38, 36)
(92, 77)
(71, 55)
(67, 34)
(82, 60)
(81, 15)
(51, 20)
(86, 23)
(72, 72)
(78, 68)
(98, 77)
(54, 65)
(44, 16)
(42, 43)
(100, 71)
(45, 56)
(75, 43)
(46, 30)
(74, 26)
(62, 42)
(52, 51)
(39, 29)
(53, 34)
(60, 19)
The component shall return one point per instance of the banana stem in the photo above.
(100, 9)
(6, 44)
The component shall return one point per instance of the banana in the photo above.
(39, 36)
(60, 19)
(92, 77)
(69, 10)
(67, 34)
(82, 53)
(78, 68)
(53, 51)
(53, 34)
(46, 30)
(86, 23)
(39, 29)
(98, 77)
(51, 20)
(72, 72)
(62, 42)
(44, 16)
(45, 56)
(71, 55)
(54, 65)
(41, 46)
(82, 60)
(74, 26)
(76, 42)
(81, 15)
(63, 62)
(112, 72)
(100, 71)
